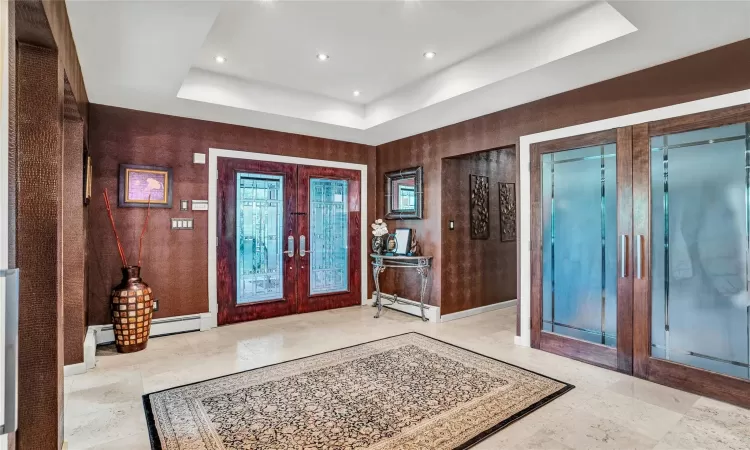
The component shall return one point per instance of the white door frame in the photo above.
(682, 109)
(213, 170)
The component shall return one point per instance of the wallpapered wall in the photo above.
(175, 263)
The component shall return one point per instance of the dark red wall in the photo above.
(175, 263)
(477, 272)
(718, 71)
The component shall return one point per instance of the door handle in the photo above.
(10, 415)
(639, 256)
(302, 242)
(623, 256)
(290, 246)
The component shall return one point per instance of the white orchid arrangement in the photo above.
(379, 228)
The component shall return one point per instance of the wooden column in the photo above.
(39, 78)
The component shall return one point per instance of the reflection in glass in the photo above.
(404, 198)
(579, 243)
(329, 234)
(700, 308)
(260, 212)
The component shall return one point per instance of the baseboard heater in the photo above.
(166, 326)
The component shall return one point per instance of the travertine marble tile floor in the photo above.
(103, 408)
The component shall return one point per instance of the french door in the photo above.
(691, 179)
(582, 277)
(641, 251)
(289, 239)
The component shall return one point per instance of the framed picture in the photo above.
(507, 211)
(403, 241)
(87, 175)
(138, 183)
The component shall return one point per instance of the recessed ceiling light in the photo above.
(322, 57)
(356, 93)
(430, 55)
(220, 59)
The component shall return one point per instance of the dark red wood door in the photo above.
(328, 226)
(255, 274)
(289, 239)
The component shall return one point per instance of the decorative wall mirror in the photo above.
(403, 194)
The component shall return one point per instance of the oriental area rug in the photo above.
(404, 392)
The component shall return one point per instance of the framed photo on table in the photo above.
(137, 183)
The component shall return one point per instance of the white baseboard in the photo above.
(475, 311)
(518, 341)
(167, 325)
(207, 321)
(89, 349)
(432, 313)
(74, 369)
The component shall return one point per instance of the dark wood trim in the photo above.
(707, 119)
(588, 352)
(536, 245)
(702, 382)
(641, 236)
(573, 142)
(625, 261)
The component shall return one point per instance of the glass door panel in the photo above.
(700, 208)
(329, 236)
(579, 243)
(260, 218)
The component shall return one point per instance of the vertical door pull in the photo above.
(623, 256)
(639, 256)
(290, 246)
(302, 243)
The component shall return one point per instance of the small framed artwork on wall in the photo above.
(139, 183)
(507, 211)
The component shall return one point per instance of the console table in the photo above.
(422, 264)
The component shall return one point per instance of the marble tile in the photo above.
(711, 424)
(655, 394)
(607, 409)
(631, 413)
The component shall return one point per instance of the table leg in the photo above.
(376, 278)
(423, 272)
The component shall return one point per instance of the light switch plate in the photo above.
(182, 224)
(200, 205)
(199, 158)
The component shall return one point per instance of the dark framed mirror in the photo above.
(404, 194)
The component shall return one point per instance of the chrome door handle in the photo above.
(10, 415)
(302, 242)
(290, 246)
(639, 256)
(623, 256)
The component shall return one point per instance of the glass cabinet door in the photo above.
(700, 209)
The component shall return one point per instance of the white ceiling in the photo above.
(159, 56)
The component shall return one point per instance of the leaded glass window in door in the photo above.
(260, 221)
(329, 234)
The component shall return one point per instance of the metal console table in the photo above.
(422, 264)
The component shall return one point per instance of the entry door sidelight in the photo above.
(581, 248)
(328, 224)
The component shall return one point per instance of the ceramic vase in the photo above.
(131, 305)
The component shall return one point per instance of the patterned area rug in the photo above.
(403, 392)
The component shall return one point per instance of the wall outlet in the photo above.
(156, 304)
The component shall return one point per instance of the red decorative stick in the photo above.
(145, 224)
(112, 221)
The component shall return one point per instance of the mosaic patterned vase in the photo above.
(130, 303)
